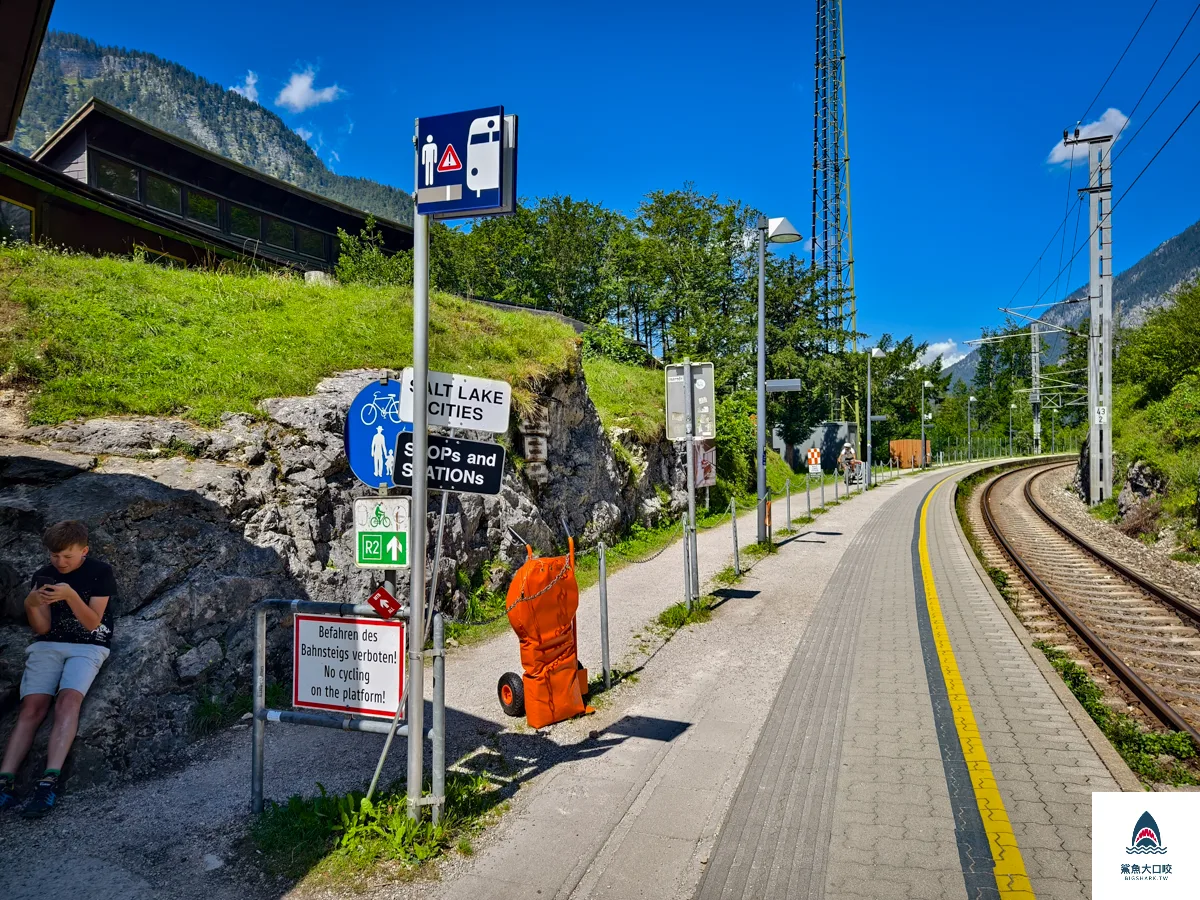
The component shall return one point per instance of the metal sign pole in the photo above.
(687, 566)
(420, 503)
(690, 417)
(604, 664)
(788, 487)
(808, 493)
(737, 563)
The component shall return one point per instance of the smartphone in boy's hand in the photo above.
(42, 581)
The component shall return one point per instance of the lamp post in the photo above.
(875, 353)
(970, 457)
(777, 231)
(924, 455)
(1011, 407)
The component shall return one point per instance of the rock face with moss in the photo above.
(199, 524)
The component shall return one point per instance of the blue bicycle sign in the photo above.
(372, 423)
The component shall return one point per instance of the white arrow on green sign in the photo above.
(381, 532)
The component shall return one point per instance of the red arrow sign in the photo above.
(384, 603)
(450, 161)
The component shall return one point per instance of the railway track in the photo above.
(1148, 638)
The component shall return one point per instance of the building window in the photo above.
(310, 243)
(16, 222)
(164, 195)
(280, 234)
(116, 178)
(204, 209)
(244, 223)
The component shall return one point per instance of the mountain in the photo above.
(1142, 288)
(72, 69)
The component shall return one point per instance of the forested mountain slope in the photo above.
(72, 69)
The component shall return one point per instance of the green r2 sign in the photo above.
(381, 533)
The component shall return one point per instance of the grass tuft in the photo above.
(1155, 757)
(675, 617)
(342, 838)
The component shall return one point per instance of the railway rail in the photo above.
(1147, 637)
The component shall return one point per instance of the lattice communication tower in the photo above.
(832, 245)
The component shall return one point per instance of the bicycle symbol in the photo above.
(381, 518)
(386, 405)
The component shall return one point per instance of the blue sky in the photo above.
(953, 108)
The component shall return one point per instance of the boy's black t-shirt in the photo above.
(92, 579)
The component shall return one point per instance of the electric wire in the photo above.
(1182, 75)
(1153, 77)
(1071, 165)
(1129, 189)
(1117, 64)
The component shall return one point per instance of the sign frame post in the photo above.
(420, 503)
(689, 395)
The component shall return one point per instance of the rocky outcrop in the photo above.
(1142, 482)
(199, 524)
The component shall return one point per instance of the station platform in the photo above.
(863, 718)
(918, 747)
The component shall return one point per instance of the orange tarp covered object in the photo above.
(542, 601)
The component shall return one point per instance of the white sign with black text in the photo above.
(460, 401)
(348, 665)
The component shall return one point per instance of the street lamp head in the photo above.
(877, 353)
(970, 399)
(1012, 406)
(928, 384)
(780, 231)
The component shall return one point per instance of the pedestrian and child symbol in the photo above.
(372, 424)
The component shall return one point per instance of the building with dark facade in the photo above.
(106, 182)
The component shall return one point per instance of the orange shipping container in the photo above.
(908, 452)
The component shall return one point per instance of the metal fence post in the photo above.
(788, 487)
(808, 494)
(737, 563)
(259, 723)
(687, 565)
(604, 664)
(438, 737)
(836, 487)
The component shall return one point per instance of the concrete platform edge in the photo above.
(1112, 760)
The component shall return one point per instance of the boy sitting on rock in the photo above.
(68, 609)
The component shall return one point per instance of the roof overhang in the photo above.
(20, 42)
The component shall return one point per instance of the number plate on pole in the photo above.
(381, 533)
(1101, 415)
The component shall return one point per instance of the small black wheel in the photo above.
(511, 691)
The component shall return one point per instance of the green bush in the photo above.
(362, 259)
(607, 340)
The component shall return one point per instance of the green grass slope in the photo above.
(111, 336)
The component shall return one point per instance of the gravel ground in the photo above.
(182, 834)
(1181, 579)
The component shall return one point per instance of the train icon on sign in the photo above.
(483, 154)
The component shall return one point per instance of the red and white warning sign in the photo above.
(383, 602)
(814, 461)
(348, 665)
(450, 161)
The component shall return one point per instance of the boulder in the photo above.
(197, 661)
(1142, 482)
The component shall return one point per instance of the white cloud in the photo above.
(304, 133)
(249, 87)
(947, 350)
(333, 155)
(1112, 122)
(299, 94)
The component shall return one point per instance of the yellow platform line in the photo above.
(1011, 879)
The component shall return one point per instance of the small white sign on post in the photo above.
(460, 401)
(1101, 415)
(381, 532)
(348, 665)
(814, 461)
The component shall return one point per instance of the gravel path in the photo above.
(1181, 579)
(182, 834)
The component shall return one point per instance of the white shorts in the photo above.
(53, 666)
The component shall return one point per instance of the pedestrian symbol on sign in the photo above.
(429, 158)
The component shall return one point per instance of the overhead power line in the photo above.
(1117, 64)
(1129, 189)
